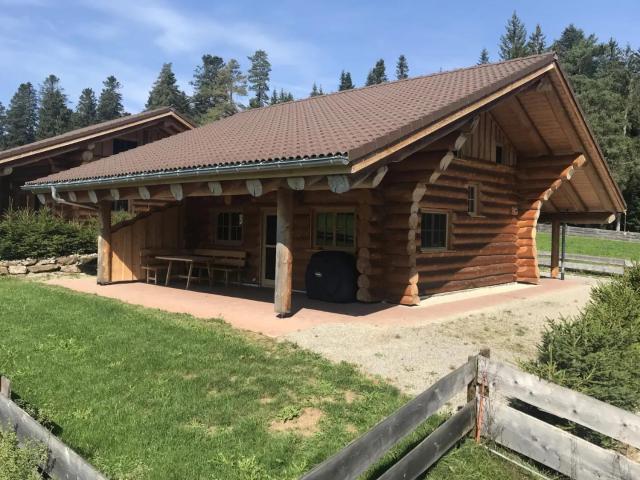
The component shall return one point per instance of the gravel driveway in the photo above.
(412, 357)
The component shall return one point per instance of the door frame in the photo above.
(265, 282)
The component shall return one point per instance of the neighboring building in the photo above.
(71, 149)
(434, 183)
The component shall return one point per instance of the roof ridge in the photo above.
(394, 82)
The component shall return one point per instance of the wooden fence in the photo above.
(62, 462)
(490, 386)
(545, 443)
(595, 233)
(588, 263)
(365, 451)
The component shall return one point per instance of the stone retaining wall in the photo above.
(67, 264)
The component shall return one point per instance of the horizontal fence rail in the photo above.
(553, 447)
(364, 452)
(588, 263)
(429, 451)
(595, 233)
(62, 463)
(545, 443)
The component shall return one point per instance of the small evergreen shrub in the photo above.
(598, 351)
(19, 463)
(26, 233)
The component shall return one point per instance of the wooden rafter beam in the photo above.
(574, 197)
(584, 218)
(530, 128)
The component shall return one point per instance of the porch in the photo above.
(251, 308)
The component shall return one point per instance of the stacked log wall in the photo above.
(482, 249)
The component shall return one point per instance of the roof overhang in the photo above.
(333, 165)
(68, 141)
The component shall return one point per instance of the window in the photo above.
(120, 145)
(472, 199)
(499, 159)
(434, 230)
(229, 227)
(335, 229)
(120, 206)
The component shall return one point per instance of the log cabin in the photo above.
(433, 184)
(83, 145)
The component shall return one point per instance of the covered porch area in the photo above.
(268, 229)
(251, 308)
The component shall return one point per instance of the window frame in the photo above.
(476, 200)
(502, 159)
(335, 211)
(447, 236)
(228, 241)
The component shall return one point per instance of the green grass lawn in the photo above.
(593, 246)
(145, 394)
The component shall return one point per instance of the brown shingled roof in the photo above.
(80, 133)
(351, 123)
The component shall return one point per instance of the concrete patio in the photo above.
(251, 308)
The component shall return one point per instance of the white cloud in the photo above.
(130, 39)
(176, 31)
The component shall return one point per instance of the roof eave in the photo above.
(21, 156)
(301, 166)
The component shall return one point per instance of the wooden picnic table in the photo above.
(187, 259)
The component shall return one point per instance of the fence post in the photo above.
(482, 390)
(5, 387)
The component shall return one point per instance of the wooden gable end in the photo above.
(484, 142)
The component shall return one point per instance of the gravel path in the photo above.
(412, 357)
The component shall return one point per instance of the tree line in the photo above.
(606, 79)
(35, 114)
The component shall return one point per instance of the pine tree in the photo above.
(3, 127)
(110, 101)
(285, 96)
(345, 81)
(229, 82)
(258, 77)
(402, 68)
(54, 116)
(484, 57)
(537, 41)
(513, 42)
(274, 98)
(22, 116)
(377, 74)
(207, 93)
(166, 93)
(86, 110)
(315, 91)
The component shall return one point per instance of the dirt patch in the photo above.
(189, 376)
(305, 424)
(350, 396)
(413, 357)
(265, 400)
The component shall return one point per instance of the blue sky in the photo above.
(83, 41)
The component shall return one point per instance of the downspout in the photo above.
(62, 201)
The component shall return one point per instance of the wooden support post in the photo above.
(104, 243)
(5, 387)
(555, 249)
(284, 257)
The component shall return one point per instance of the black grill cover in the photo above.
(332, 277)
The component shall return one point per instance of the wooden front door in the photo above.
(269, 240)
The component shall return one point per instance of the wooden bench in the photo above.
(226, 261)
(150, 265)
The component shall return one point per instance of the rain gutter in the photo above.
(189, 173)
